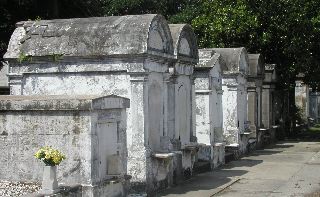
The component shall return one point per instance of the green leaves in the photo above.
(125, 7)
(225, 25)
(286, 32)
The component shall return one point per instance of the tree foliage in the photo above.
(286, 32)
(125, 7)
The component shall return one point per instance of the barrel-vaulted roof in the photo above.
(97, 36)
(236, 59)
(256, 65)
(184, 42)
(208, 59)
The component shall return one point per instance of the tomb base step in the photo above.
(201, 167)
(231, 152)
(229, 156)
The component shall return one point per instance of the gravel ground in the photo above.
(17, 188)
(315, 194)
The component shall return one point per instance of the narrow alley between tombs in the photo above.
(287, 168)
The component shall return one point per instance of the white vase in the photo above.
(49, 181)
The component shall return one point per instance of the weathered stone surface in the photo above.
(255, 79)
(4, 86)
(208, 80)
(302, 98)
(256, 65)
(184, 42)
(270, 74)
(3, 75)
(63, 102)
(208, 87)
(88, 134)
(91, 37)
(179, 101)
(267, 96)
(235, 58)
(270, 106)
(208, 58)
(121, 55)
(234, 98)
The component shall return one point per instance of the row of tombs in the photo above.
(130, 100)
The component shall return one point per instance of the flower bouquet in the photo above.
(49, 156)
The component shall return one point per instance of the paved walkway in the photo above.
(285, 169)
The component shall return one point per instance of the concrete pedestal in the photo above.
(49, 181)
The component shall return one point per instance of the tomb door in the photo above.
(219, 130)
(241, 108)
(257, 110)
(108, 137)
(183, 132)
(259, 106)
(272, 111)
(155, 115)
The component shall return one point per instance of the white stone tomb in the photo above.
(209, 124)
(234, 98)
(122, 55)
(89, 130)
(180, 122)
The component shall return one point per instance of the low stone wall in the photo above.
(74, 125)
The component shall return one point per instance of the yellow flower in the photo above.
(50, 156)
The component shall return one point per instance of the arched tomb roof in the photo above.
(208, 59)
(184, 42)
(236, 59)
(97, 36)
(256, 65)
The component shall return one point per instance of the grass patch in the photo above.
(317, 126)
(315, 129)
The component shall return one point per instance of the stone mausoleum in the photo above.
(180, 119)
(90, 130)
(208, 89)
(255, 82)
(302, 99)
(234, 98)
(126, 56)
(269, 109)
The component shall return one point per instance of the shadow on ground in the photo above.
(204, 182)
(214, 181)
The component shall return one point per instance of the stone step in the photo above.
(201, 167)
(229, 156)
